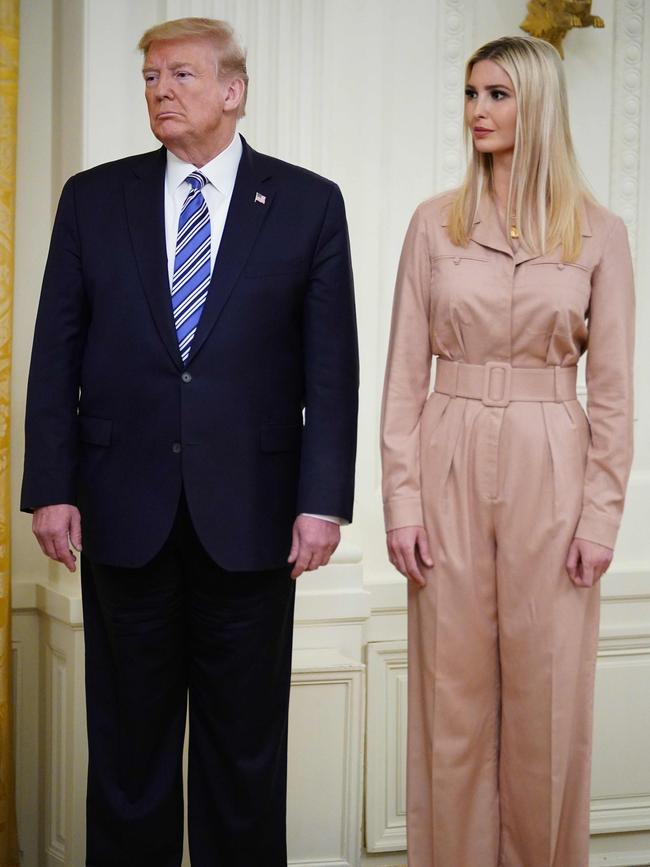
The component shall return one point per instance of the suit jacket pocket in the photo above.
(280, 437)
(96, 431)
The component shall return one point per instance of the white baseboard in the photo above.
(621, 859)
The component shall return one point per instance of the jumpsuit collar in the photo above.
(487, 231)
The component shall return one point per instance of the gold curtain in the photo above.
(8, 105)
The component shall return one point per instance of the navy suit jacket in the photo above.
(118, 425)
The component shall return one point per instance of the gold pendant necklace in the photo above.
(514, 231)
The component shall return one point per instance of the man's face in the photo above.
(185, 97)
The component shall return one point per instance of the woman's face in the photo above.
(491, 109)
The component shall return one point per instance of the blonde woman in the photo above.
(502, 498)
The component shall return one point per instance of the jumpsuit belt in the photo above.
(497, 383)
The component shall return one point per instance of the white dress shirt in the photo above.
(221, 173)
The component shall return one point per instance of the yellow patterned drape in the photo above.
(8, 106)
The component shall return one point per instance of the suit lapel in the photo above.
(145, 208)
(243, 223)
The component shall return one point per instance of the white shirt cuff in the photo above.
(331, 518)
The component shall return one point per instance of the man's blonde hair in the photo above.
(231, 57)
(547, 190)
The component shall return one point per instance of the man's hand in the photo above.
(587, 562)
(58, 530)
(313, 543)
(408, 550)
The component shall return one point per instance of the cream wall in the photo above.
(367, 92)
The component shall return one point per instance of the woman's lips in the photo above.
(481, 131)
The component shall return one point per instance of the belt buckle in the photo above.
(496, 388)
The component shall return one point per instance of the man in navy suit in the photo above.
(192, 414)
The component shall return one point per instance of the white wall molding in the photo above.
(625, 611)
(56, 603)
(630, 641)
(620, 790)
(349, 605)
(386, 747)
(62, 726)
(620, 815)
(56, 725)
(626, 113)
(640, 858)
(326, 733)
(27, 712)
(627, 581)
(452, 34)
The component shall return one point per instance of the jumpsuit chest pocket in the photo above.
(462, 287)
(458, 269)
(557, 278)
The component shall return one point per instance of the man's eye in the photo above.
(182, 75)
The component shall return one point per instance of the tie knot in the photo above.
(196, 180)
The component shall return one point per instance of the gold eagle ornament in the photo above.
(551, 20)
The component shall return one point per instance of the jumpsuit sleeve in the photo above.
(406, 384)
(609, 390)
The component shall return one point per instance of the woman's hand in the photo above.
(587, 562)
(408, 549)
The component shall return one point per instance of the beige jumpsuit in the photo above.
(503, 469)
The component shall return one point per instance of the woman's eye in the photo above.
(470, 94)
(499, 94)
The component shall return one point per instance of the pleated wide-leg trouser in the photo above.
(502, 645)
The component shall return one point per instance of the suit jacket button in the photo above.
(186, 376)
(176, 448)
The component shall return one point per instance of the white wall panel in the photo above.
(620, 784)
(326, 729)
(26, 713)
(56, 725)
(386, 747)
(63, 744)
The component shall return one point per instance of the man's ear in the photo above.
(234, 94)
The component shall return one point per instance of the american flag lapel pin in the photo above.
(260, 198)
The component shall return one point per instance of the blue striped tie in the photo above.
(191, 264)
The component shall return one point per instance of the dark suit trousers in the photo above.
(183, 626)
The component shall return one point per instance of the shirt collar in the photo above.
(220, 172)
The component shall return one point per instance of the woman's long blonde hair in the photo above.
(547, 189)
